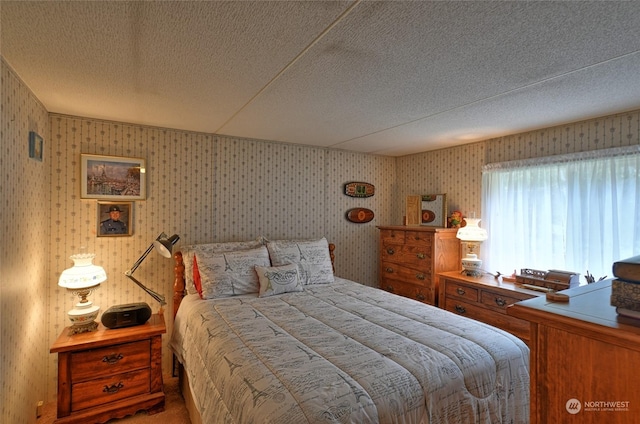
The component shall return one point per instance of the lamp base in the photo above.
(83, 317)
(83, 328)
(471, 265)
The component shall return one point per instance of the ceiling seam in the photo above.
(495, 96)
(291, 63)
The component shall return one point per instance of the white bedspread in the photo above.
(347, 353)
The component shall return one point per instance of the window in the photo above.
(574, 213)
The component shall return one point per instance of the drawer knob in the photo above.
(112, 359)
(460, 291)
(390, 250)
(389, 270)
(114, 388)
(390, 289)
(420, 276)
(420, 297)
(460, 309)
(500, 301)
(421, 255)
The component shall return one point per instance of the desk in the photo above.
(584, 358)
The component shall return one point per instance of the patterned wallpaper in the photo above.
(203, 187)
(24, 252)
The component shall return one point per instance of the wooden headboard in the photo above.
(179, 282)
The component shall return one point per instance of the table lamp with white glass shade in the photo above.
(81, 279)
(472, 235)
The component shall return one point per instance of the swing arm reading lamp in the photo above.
(163, 245)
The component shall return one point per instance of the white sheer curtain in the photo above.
(575, 213)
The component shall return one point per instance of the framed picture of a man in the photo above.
(115, 219)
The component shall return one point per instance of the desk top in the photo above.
(588, 311)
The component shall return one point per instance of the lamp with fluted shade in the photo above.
(81, 279)
(472, 235)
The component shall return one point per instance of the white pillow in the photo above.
(188, 254)
(278, 280)
(227, 274)
(311, 256)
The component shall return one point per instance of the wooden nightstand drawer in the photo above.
(109, 389)
(517, 327)
(90, 364)
(461, 291)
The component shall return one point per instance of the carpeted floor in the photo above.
(174, 410)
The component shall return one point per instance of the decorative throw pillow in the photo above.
(191, 277)
(278, 280)
(227, 274)
(311, 256)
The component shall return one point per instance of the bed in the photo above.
(266, 333)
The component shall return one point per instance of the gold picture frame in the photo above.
(112, 178)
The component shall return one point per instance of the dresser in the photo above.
(110, 373)
(485, 299)
(584, 358)
(412, 257)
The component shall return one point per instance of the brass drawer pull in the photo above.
(460, 291)
(389, 270)
(390, 289)
(420, 276)
(390, 251)
(112, 359)
(500, 301)
(460, 309)
(114, 388)
(420, 297)
(421, 255)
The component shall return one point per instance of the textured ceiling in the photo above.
(391, 78)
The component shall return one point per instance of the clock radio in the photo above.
(128, 315)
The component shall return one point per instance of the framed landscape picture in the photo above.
(112, 178)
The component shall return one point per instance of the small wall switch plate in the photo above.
(39, 409)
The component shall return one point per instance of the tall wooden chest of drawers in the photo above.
(412, 257)
(108, 374)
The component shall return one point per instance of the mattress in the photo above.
(347, 353)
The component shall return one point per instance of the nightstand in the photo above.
(110, 373)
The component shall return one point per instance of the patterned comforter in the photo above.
(347, 353)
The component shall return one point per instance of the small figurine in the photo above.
(455, 220)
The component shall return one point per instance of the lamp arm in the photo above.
(143, 257)
(156, 296)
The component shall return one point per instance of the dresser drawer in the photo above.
(419, 238)
(515, 326)
(109, 389)
(416, 256)
(461, 291)
(90, 364)
(392, 236)
(412, 291)
(497, 301)
(403, 273)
